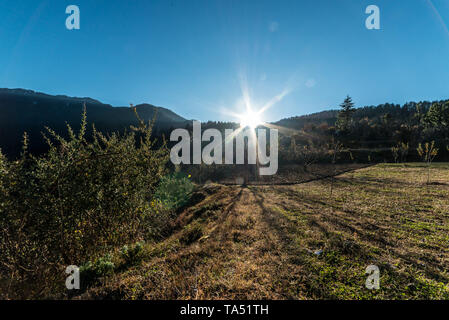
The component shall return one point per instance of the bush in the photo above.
(76, 202)
(134, 254)
(174, 190)
(90, 272)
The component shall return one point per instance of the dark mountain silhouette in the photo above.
(25, 110)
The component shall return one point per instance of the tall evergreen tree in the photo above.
(345, 114)
(438, 115)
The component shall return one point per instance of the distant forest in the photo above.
(383, 133)
(367, 134)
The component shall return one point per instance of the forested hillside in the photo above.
(26, 110)
(377, 127)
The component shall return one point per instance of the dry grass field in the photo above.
(301, 242)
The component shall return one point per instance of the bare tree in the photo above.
(395, 152)
(403, 151)
(335, 148)
(307, 156)
(400, 152)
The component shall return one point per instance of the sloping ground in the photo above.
(301, 242)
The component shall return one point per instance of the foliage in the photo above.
(377, 128)
(90, 272)
(428, 153)
(400, 152)
(438, 115)
(345, 114)
(174, 190)
(134, 254)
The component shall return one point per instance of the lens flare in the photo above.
(250, 119)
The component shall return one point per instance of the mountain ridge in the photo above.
(31, 111)
(27, 110)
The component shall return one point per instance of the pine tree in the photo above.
(438, 115)
(345, 114)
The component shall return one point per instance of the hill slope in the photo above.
(396, 112)
(26, 110)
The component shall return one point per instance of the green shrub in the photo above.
(77, 202)
(174, 190)
(90, 272)
(134, 254)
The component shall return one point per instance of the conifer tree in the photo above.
(345, 114)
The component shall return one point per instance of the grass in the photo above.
(300, 242)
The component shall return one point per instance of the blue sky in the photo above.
(194, 56)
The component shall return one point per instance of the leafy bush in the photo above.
(174, 190)
(77, 202)
(89, 272)
(400, 152)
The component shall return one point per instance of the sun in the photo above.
(250, 119)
